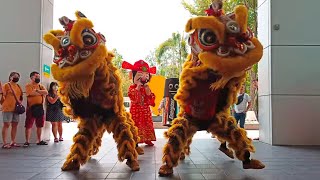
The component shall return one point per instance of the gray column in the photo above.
(289, 85)
(23, 23)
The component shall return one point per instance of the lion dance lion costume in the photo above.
(90, 89)
(222, 49)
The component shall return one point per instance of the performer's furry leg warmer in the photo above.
(186, 150)
(178, 135)
(83, 144)
(223, 148)
(125, 140)
(98, 141)
(226, 129)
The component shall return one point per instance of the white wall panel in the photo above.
(295, 120)
(264, 24)
(298, 22)
(295, 70)
(265, 123)
(20, 21)
(264, 75)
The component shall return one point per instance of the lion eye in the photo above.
(207, 37)
(88, 38)
(65, 41)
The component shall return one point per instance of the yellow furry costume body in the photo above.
(90, 89)
(222, 49)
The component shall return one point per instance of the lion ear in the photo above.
(64, 20)
(241, 17)
(188, 27)
(80, 15)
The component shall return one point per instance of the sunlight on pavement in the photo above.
(71, 129)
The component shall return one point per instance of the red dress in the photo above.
(141, 113)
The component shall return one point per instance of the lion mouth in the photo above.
(72, 58)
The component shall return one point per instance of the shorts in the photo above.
(10, 117)
(30, 120)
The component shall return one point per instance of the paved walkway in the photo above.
(205, 162)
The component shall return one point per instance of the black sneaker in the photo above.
(42, 143)
(26, 144)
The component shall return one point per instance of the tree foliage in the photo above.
(198, 7)
(170, 55)
(124, 75)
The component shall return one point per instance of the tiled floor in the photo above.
(205, 162)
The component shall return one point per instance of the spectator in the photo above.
(35, 96)
(54, 112)
(10, 91)
(242, 106)
(161, 105)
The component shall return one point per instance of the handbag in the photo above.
(1, 99)
(19, 108)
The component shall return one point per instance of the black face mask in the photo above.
(15, 79)
(37, 80)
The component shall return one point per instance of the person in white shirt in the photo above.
(242, 106)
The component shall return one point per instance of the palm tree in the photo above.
(171, 54)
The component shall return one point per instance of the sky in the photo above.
(134, 28)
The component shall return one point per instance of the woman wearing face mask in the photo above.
(10, 90)
(54, 111)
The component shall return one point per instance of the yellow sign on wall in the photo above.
(157, 87)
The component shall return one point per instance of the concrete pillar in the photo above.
(289, 86)
(23, 24)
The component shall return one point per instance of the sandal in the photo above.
(14, 145)
(56, 140)
(61, 139)
(26, 144)
(42, 143)
(6, 146)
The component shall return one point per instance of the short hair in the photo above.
(13, 73)
(33, 73)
